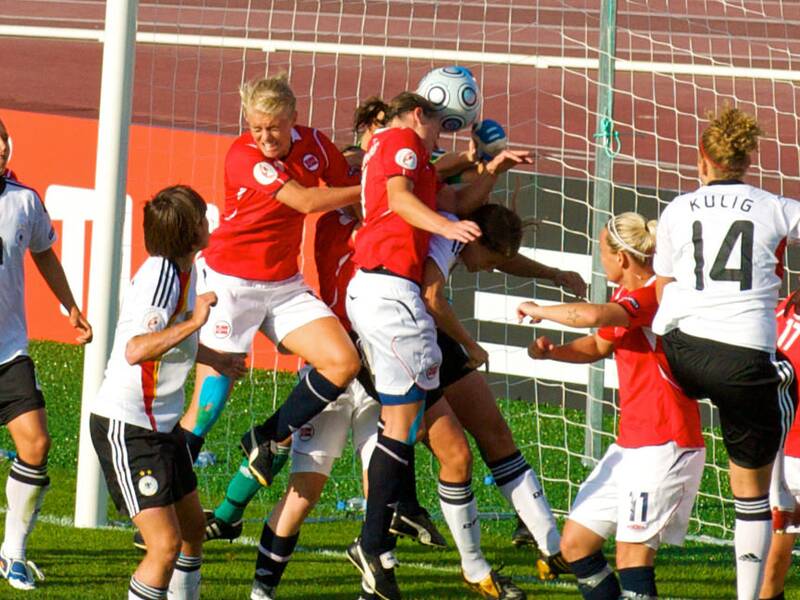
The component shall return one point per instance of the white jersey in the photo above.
(444, 252)
(24, 224)
(150, 394)
(724, 246)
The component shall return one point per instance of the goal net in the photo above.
(537, 64)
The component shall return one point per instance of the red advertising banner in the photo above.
(56, 156)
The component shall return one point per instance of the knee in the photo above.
(571, 548)
(342, 367)
(164, 549)
(35, 450)
(457, 461)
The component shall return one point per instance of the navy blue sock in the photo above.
(596, 580)
(194, 443)
(274, 553)
(308, 398)
(780, 596)
(385, 475)
(408, 503)
(639, 580)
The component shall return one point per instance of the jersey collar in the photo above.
(725, 182)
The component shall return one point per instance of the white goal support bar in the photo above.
(532, 60)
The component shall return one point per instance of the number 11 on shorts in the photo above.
(638, 507)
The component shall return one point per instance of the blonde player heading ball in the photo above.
(643, 489)
(719, 263)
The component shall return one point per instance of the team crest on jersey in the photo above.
(306, 432)
(222, 329)
(311, 162)
(406, 158)
(148, 486)
(153, 321)
(265, 173)
(631, 301)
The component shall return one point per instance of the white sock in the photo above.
(141, 591)
(751, 541)
(520, 486)
(780, 496)
(461, 514)
(25, 490)
(185, 582)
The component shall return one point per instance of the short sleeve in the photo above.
(43, 235)
(153, 297)
(246, 167)
(791, 211)
(338, 172)
(443, 252)
(402, 154)
(662, 261)
(641, 306)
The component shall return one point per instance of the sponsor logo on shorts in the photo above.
(265, 173)
(148, 486)
(222, 329)
(406, 158)
(306, 432)
(432, 372)
(311, 162)
(637, 527)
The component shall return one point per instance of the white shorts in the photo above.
(397, 334)
(244, 306)
(643, 495)
(318, 443)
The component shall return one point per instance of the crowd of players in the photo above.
(693, 316)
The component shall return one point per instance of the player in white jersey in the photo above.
(134, 421)
(25, 225)
(719, 256)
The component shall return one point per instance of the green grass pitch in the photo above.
(98, 563)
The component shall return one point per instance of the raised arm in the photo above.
(149, 346)
(587, 349)
(433, 284)
(413, 211)
(53, 273)
(577, 314)
(522, 266)
(477, 193)
(317, 199)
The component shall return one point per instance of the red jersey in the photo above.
(788, 332)
(653, 409)
(386, 240)
(333, 255)
(258, 236)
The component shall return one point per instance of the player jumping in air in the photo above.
(643, 489)
(134, 421)
(779, 559)
(274, 175)
(25, 225)
(719, 264)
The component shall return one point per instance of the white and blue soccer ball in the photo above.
(455, 94)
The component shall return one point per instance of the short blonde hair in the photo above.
(634, 234)
(271, 95)
(729, 139)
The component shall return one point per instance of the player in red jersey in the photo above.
(275, 174)
(643, 489)
(399, 199)
(779, 559)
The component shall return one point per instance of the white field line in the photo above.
(503, 58)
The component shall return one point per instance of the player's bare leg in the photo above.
(752, 537)
(25, 489)
(582, 548)
(185, 581)
(446, 439)
(475, 407)
(779, 561)
(324, 344)
(161, 531)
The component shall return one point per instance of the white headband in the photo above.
(612, 230)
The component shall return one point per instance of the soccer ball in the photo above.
(455, 94)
